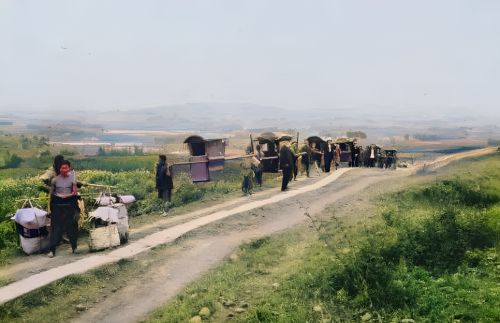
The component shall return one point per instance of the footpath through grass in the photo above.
(429, 254)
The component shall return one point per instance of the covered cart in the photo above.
(316, 143)
(346, 146)
(270, 144)
(205, 157)
(390, 157)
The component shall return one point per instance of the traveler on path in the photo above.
(257, 166)
(294, 148)
(306, 153)
(328, 154)
(286, 164)
(65, 210)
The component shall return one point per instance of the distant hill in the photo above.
(226, 117)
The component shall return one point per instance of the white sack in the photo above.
(34, 245)
(104, 237)
(31, 218)
(127, 199)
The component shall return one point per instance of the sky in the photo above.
(373, 55)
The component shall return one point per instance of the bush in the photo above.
(12, 161)
(459, 192)
(431, 232)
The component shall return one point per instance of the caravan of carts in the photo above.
(108, 218)
(207, 156)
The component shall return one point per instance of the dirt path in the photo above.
(207, 246)
(83, 264)
(213, 241)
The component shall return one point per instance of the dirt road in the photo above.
(210, 240)
(89, 262)
(207, 246)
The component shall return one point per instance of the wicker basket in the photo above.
(104, 237)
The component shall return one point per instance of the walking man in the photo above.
(286, 165)
(257, 166)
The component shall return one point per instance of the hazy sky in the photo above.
(429, 55)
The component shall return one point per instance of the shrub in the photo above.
(458, 192)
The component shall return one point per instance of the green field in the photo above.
(128, 174)
(428, 253)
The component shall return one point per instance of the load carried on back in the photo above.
(109, 221)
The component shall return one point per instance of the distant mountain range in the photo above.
(224, 117)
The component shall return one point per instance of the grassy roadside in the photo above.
(429, 253)
(280, 278)
(187, 196)
(67, 298)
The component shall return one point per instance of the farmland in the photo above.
(127, 173)
(350, 269)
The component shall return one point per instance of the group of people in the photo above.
(322, 158)
(290, 160)
(62, 182)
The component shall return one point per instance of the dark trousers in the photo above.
(258, 176)
(246, 185)
(165, 194)
(64, 218)
(295, 170)
(328, 164)
(306, 167)
(287, 174)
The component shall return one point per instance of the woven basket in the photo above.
(104, 237)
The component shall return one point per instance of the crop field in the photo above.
(130, 174)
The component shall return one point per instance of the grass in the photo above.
(139, 180)
(62, 300)
(430, 253)
(342, 272)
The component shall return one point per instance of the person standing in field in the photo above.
(164, 181)
(65, 210)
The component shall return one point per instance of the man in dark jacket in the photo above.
(286, 165)
(164, 183)
(327, 154)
